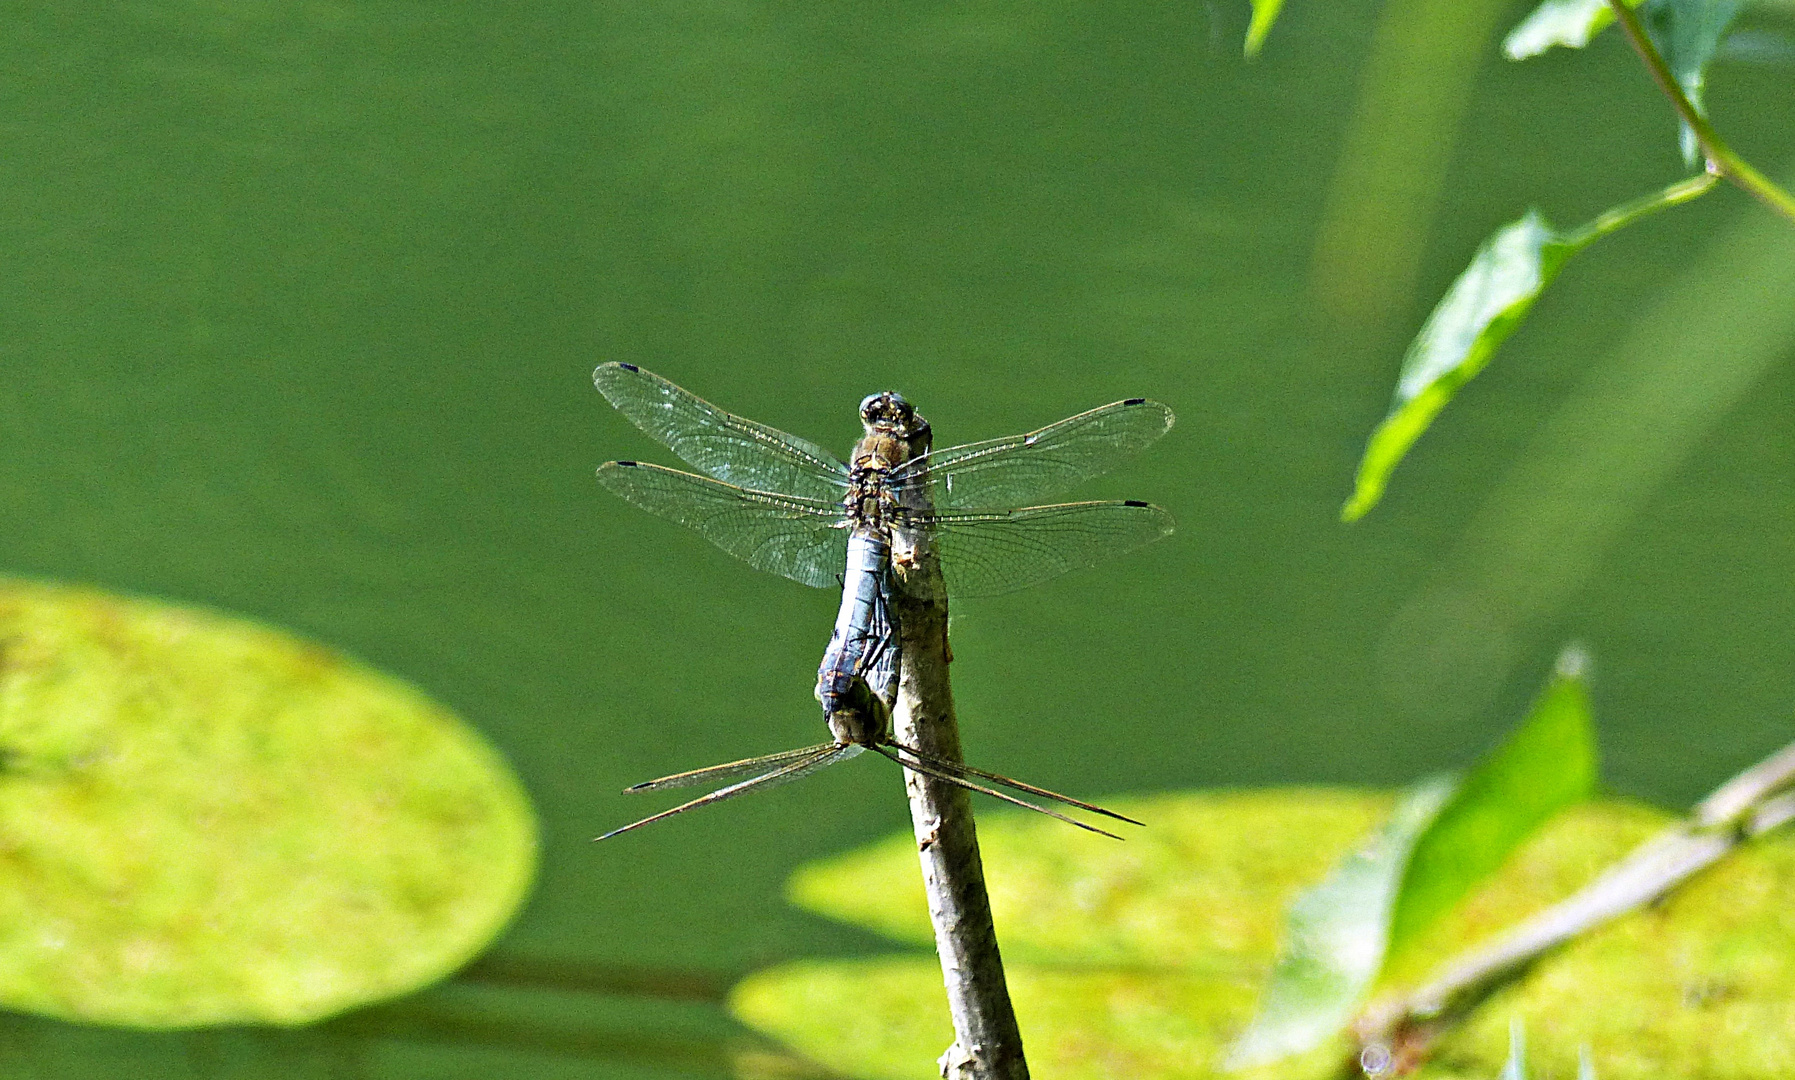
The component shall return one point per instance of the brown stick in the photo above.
(1748, 805)
(987, 1042)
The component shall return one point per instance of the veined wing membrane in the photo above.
(720, 444)
(985, 553)
(785, 774)
(802, 539)
(716, 774)
(1023, 468)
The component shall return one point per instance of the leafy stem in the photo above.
(1750, 804)
(1722, 159)
(1627, 213)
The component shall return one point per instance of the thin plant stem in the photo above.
(1627, 213)
(1721, 158)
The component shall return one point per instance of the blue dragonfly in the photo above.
(785, 505)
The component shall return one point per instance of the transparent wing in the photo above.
(962, 769)
(720, 444)
(1023, 468)
(786, 774)
(984, 553)
(716, 774)
(929, 767)
(802, 539)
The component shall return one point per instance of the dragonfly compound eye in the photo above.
(887, 410)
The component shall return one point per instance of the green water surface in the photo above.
(299, 307)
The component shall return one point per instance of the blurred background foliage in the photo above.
(304, 298)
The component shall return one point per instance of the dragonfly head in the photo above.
(889, 414)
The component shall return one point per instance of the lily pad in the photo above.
(1149, 962)
(206, 821)
(1063, 896)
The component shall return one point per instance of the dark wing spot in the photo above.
(1130, 401)
(625, 464)
(629, 367)
(1125, 502)
(1028, 441)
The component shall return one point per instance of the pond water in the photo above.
(303, 301)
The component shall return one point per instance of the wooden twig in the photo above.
(987, 1042)
(1750, 804)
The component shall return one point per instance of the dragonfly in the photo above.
(785, 505)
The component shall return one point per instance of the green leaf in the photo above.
(1688, 33)
(209, 822)
(1335, 937)
(1479, 311)
(1547, 764)
(1265, 13)
(1567, 23)
(1443, 840)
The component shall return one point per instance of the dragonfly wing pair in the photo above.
(774, 500)
(796, 537)
(1019, 469)
(720, 444)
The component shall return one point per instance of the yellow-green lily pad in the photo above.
(1146, 959)
(207, 821)
(1202, 887)
(886, 1018)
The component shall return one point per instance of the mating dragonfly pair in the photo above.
(785, 505)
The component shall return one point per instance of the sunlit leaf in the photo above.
(1335, 936)
(1567, 23)
(1479, 311)
(1644, 994)
(1545, 765)
(1265, 13)
(207, 821)
(1442, 840)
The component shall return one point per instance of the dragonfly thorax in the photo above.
(895, 434)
